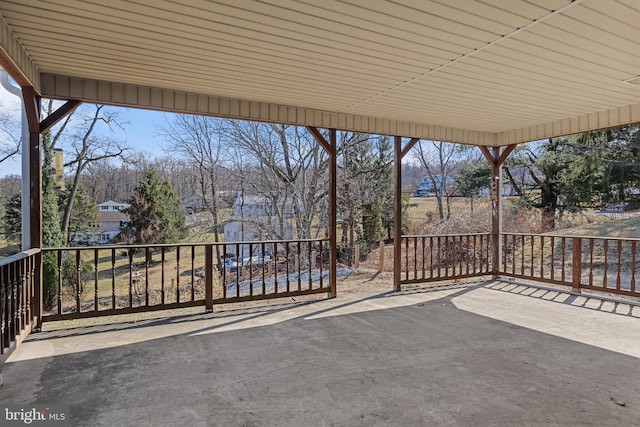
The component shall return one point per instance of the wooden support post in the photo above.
(496, 159)
(333, 212)
(496, 214)
(397, 213)
(331, 148)
(32, 108)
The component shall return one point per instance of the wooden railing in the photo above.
(445, 257)
(106, 280)
(595, 263)
(18, 299)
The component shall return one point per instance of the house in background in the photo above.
(111, 219)
(253, 219)
(110, 206)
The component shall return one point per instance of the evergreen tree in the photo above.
(155, 214)
(51, 233)
(472, 180)
(12, 218)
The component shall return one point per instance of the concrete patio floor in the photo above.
(475, 355)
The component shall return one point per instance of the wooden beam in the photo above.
(409, 146)
(507, 150)
(53, 118)
(487, 154)
(319, 138)
(32, 108)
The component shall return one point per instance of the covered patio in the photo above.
(486, 74)
(488, 353)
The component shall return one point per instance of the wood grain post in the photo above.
(397, 213)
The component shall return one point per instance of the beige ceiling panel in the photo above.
(483, 72)
(60, 87)
(104, 51)
(587, 122)
(15, 59)
(160, 36)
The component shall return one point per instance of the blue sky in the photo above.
(140, 131)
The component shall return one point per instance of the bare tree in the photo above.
(291, 170)
(438, 159)
(9, 136)
(197, 140)
(86, 147)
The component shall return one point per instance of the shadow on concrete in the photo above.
(575, 299)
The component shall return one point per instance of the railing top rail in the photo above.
(630, 239)
(445, 235)
(173, 245)
(18, 256)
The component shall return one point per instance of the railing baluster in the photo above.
(532, 256)
(224, 271)
(522, 251)
(504, 255)
(619, 262)
(632, 285)
(178, 274)
(20, 285)
(406, 257)
(238, 269)
(590, 262)
(310, 265)
(251, 269)
(286, 254)
(4, 283)
(431, 257)
(275, 267)
(299, 268)
(78, 283)
(113, 279)
(163, 263)
(553, 248)
(193, 273)
(415, 257)
(96, 259)
(438, 256)
(131, 253)
(424, 254)
(321, 262)
(264, 285)
(563, 274)
(59, 271)
(606, 264)
(147, 264)
(541, 257)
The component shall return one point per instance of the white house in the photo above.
(111, 206)
(254, 219)
(110, 223)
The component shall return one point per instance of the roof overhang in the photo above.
(484, 73)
